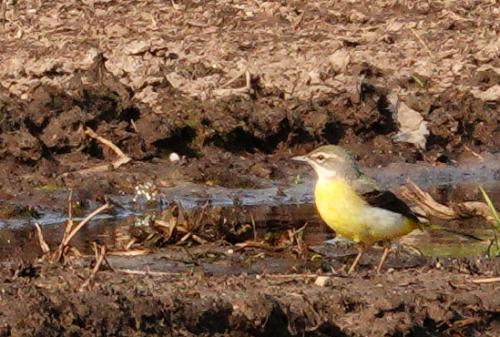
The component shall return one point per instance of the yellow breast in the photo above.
(350, 216)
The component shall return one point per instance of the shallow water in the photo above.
(274, 208)
(467, 176)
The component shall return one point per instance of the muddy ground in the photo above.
(235, 88)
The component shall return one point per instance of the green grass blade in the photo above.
(492, 208)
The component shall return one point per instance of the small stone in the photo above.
(322, 281)
(174, 157)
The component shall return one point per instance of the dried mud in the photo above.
(235, 88)
(423, 301)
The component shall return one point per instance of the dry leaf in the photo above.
(490, 95)
(412, 126)
(339, 60)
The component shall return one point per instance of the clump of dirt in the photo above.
(423, 301)
(369, 81)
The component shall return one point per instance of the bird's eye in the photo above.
(320, 157)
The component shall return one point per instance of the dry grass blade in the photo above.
(89, 217)
(100, 255)
(422, 42)
(134, 252)
(243, 91)
(69, 224)
(486, 280)
(43, 244)
(259, 244)
(169, 225)
(147, 272)
(70, 231)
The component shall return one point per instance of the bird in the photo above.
(352, 204)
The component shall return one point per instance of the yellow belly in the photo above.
(350, 216)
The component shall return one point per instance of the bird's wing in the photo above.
(389, 201)
(364, 184)
(375, 196)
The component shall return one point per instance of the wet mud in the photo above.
(210, 100)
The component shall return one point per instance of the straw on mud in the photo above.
(238, 75)
(464, 322)
(246, 90)
(258, 244)
(422, 42)
(100, 254)
(3, 10)
(486, 280)
(198, 239)
(134, 252)
(170, 226)
(298, 21)
(254, 227)
(475, 154)
(176, 7)
(147, 272)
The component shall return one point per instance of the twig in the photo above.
(99, 259)
(425, 200)
(122, 157)
(486, 280)
(430, 206)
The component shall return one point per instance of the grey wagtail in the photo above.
(351, 204)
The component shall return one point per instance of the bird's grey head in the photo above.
(330, 162)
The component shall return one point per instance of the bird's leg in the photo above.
(361, 251)
(383, 258)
